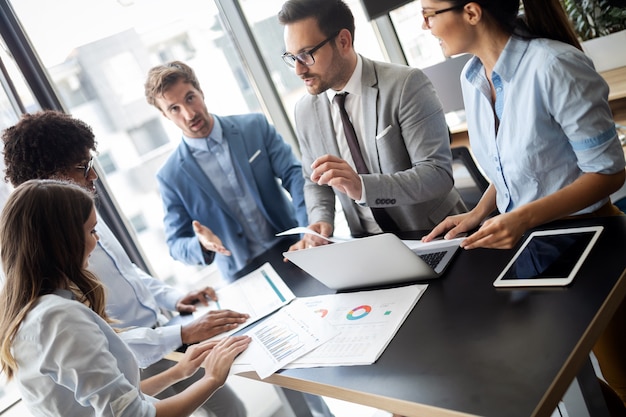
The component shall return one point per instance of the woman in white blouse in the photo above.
(56, 340)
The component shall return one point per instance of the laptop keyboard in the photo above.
(433, 259)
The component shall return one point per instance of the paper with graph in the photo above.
(283, 337)
(328, 330)
(366, 321)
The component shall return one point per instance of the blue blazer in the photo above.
(188, 195)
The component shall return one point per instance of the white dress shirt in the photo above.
(72, 363)
(135, 298)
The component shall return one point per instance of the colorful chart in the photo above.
(322, 312)
(359, 312)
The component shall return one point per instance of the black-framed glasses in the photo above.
(306, 58)
(86, 168)
(428, 14)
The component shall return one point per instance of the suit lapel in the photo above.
(240, 156)
(370, 95)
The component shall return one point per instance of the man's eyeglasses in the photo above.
(306, 58)
(428, 14)
(86, 168)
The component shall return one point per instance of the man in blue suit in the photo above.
(223, 188)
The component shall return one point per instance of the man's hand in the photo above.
(336, 172)
(309, 241)
(187, 304)
(211, 324)
(209, 240)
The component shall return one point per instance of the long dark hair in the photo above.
(540, 19)
(42, 247)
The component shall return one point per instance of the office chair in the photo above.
(468, 179)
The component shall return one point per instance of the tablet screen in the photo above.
(549, 256)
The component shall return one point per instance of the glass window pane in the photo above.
(98, 62)
(263, 20)
(420, 47)
(15, 97)
(422, 50)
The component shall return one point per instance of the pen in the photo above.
(384, 132)
(253, 157)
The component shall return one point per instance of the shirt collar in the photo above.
(201, 143)
(353, 86)
(508, 61)
(64, 293)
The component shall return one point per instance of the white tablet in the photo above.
(549, 257)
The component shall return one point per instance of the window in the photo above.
(420, 47)
(98, 63)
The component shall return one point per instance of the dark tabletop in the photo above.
(475, 349)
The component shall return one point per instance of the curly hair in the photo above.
(44, 144)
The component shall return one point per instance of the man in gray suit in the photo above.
(406, 181)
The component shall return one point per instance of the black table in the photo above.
(468, 348)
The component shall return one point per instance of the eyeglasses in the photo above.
(86, 168)
(428, 14)
(306, 58)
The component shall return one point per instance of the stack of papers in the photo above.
(366, 321)
(326, 330)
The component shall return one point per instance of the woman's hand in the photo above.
(452, 226)
(194, 357)
(218, 362)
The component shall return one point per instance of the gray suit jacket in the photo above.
(411, 171)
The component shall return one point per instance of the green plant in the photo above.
(594, 18)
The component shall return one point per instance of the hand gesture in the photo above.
(309, 241)
(211, 324)
(336, 172)
(218, 362)
(500, 232)
(208, 239)
(193, 358)
(452, 226)
(187, 304)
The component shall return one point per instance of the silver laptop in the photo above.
(375, 260)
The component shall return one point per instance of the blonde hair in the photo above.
(42, 247)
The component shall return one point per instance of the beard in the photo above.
(336, 77)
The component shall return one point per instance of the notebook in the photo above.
(375, 260)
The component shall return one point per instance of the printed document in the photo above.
(290, 333)
(258, 294)
(366, 321)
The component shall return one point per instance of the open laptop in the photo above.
(375, 260)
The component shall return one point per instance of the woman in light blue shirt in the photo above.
(56, 338)
(539, 125)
